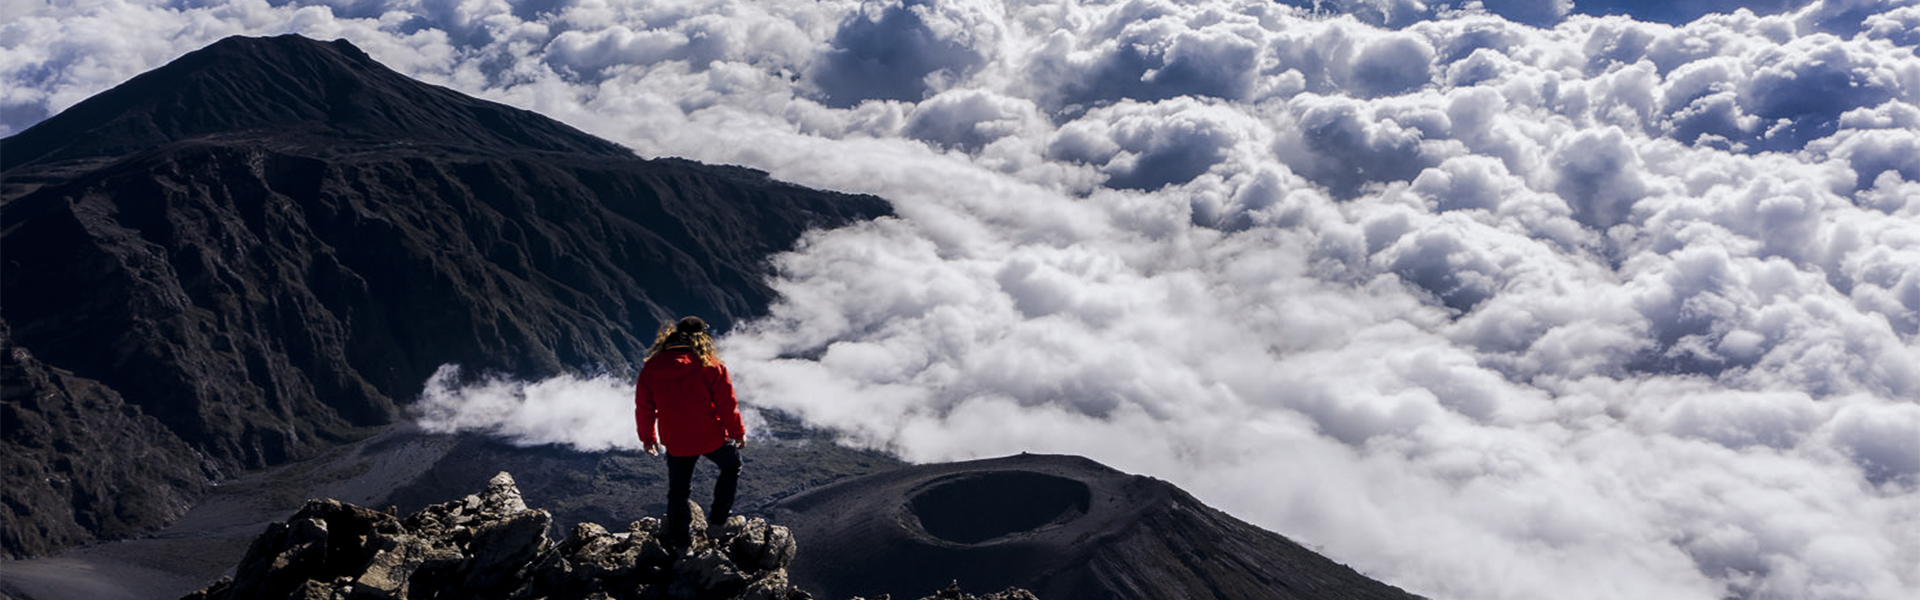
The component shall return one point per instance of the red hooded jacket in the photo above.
(692, 403)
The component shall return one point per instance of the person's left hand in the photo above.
(653, 449)
(739, 442)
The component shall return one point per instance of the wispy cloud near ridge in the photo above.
(1609, 309)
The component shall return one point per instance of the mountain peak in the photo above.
(290, 88)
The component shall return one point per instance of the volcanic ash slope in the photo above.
(1064, 527)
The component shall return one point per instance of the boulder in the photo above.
(759, 545)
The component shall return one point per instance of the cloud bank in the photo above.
(590, 413)
(1489, 300)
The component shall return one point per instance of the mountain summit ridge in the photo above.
(265, 248)
(291, 89)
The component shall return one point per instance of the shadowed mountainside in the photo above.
(264, 248)
(1065, 527)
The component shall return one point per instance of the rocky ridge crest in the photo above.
(492, 545)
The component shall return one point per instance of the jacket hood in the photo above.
(675, 363)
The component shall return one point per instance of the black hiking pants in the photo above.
(679, 488)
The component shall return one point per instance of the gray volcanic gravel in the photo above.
(1064, 527)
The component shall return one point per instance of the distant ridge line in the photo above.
(286, 87)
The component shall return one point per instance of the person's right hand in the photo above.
(653, 449)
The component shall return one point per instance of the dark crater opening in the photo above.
(976, 507)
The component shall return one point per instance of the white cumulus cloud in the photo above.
(1488, 299)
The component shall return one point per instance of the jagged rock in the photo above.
(707, 574)
(500, 549)
(763, 546)
(491, 545)
(953, 593)
(392, 565)
(774, 585)
(502, 498)
(280, 559)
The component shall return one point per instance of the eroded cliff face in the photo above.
(265, 248)
(70, 446)
(492, 545)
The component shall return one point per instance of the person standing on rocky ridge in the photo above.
(685, 392)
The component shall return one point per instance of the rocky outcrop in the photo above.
(269, 245)
(491, 545)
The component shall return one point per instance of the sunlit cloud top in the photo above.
(1487, 299)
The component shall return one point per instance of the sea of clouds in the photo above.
(1488, 301)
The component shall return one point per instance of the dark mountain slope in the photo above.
(1064, 527)
(55, 423)
(290, 88)
(266, 284)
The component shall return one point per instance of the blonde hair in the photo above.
(690, 333)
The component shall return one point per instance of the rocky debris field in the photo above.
(491, 545)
